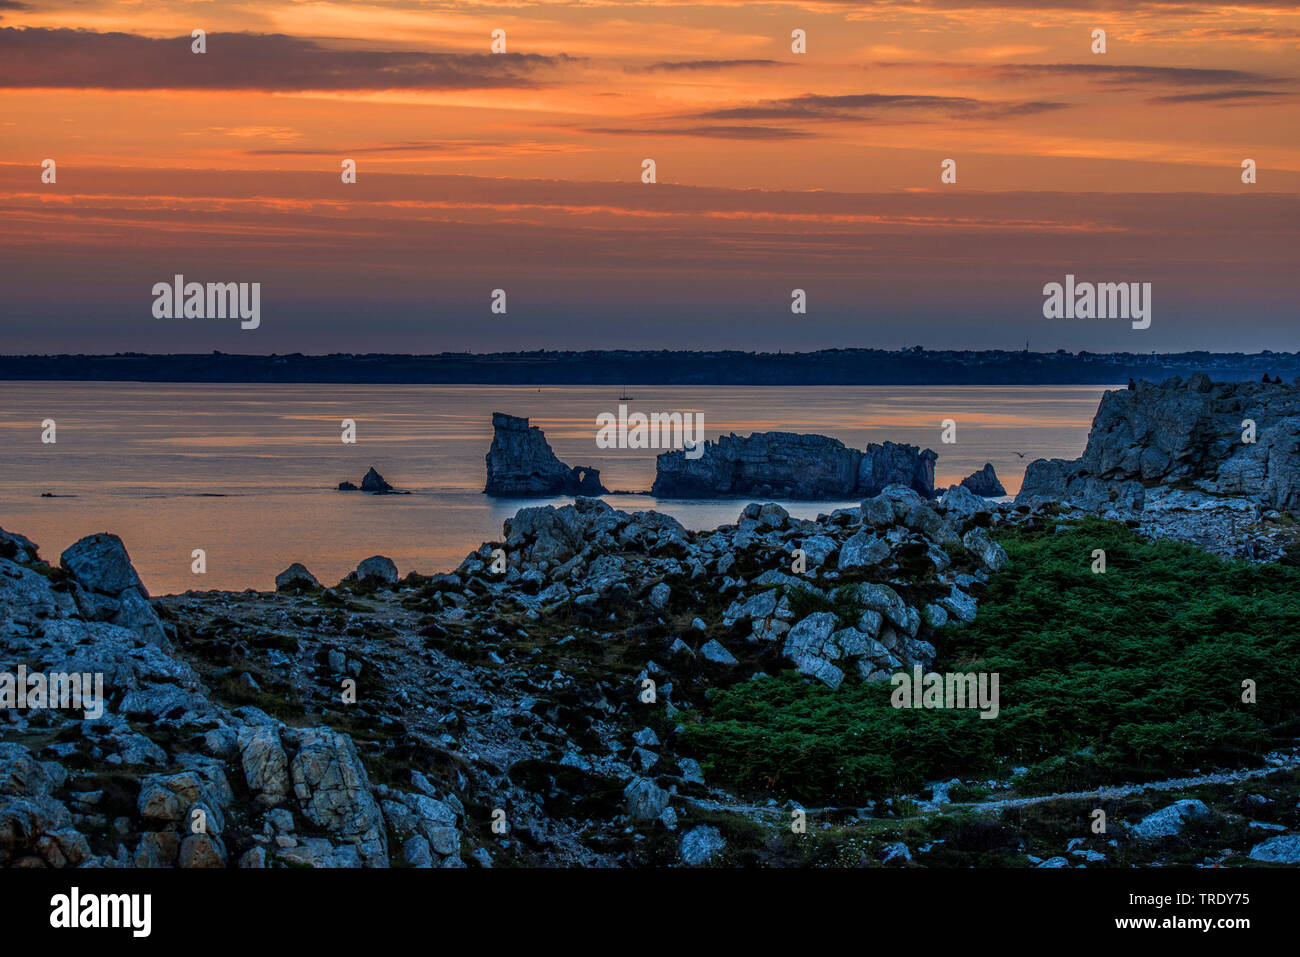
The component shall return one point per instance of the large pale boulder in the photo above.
(377, 568)
(334, 793)
(266, 766)
(645, 799)
(863, 550)
(1170, 821)
(702, 845)
(100, 563)
(991, 556)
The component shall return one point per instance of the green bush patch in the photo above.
(1130, 675)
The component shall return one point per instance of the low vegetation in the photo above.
(1129, 675)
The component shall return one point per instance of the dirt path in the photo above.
(1288, 761)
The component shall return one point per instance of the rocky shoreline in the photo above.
(1214, 464)
(531, 707)
(518, 691)
(120, 790)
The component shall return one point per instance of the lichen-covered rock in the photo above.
(100, 563)
(645, 799)
(1171, 820)
(202, 851)
(714, 651)
(266, 766)
(1181, 431)
(960, 502)
(991, 556)
(862, 551)
(959, 604)
(135, 612)
(702, 845)
(1283, 849)
(881, 598)
(26, 596)
(419, 814)
(822, 650)
(334, 793)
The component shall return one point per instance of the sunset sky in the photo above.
(522, 171)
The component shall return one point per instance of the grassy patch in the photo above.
(1133, 674)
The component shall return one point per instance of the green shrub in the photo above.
(1133, 674)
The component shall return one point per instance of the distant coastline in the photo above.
(615, 368)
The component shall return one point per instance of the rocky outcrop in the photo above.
(548, 691)
(334, 793)
(373, 483)
(594, 556)
(1194, 434)
(984, 483)
(100, 563)
(520, 463)
(424, 675)
(107, 587)
(164, 775)
(793, 466)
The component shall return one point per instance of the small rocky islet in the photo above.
(390, 720)
(371, 482)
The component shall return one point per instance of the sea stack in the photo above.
(521, 462)
(790, 465)
(984, 483)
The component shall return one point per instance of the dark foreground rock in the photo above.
(391, 721)
(793, 466)
(105, 586)
(161, 760)
(295, 578)
(353, 726)
(520, 462)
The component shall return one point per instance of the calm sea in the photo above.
(248, 472)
